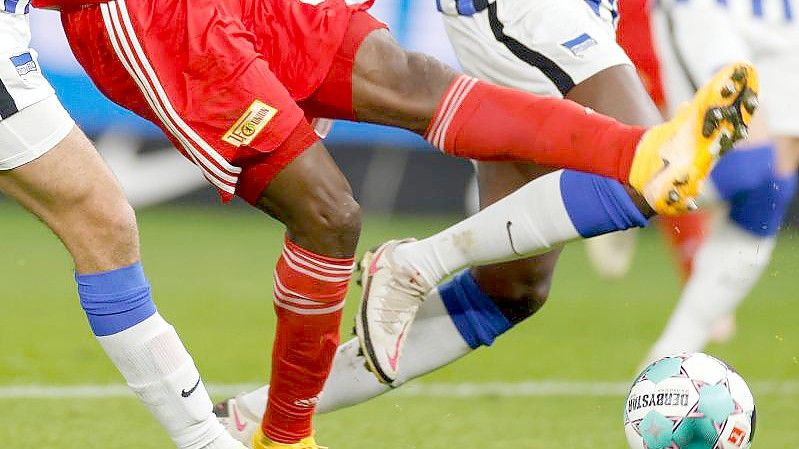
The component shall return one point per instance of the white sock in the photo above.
(726, 268)
(157, 367)
(433, 342)
(530, 221)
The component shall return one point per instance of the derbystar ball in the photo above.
(689, 401)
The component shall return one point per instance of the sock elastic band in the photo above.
(598, 205)
(115, 300)
(474, 313)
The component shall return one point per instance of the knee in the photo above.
(118, 222)
(100, 230)
(760, 210)
(339, 217)
(331, 225)
(518, 294)
(527, 296)
(110, 216)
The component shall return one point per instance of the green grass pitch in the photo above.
(211, 273)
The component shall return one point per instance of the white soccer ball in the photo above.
(689, 401)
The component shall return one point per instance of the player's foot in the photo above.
(390, 299)
(260, 441)
(674, 158)
(238, 421)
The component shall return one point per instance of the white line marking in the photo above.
(550, 388)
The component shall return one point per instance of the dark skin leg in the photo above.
(313, 199)
(394, 87)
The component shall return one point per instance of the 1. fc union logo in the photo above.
(250, 124)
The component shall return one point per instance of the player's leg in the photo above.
(586, 204)
(685, 235)
(476, 306)
(49, 166)
(498, 246)
(455, 319)
(313, 199)
(505, 231)
(254, 143)
(378, 43)
(520, 288)
(399, 88)
(460, 316)
(72, 191)
(755, 185)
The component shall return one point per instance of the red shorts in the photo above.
(229, 81)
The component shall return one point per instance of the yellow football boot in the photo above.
(673, 159)
(261, 441)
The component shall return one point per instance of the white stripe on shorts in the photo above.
(214, 167)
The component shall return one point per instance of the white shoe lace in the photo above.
(400, 299)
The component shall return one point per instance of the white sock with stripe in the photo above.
(157, 367)
(726, 268)
(529, 221)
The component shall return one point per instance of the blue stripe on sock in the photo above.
(743, 170)
(760, 211)
(475, 315)
(115, 300)
(598, 205)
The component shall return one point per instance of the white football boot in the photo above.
(237, 420)
(390, 299)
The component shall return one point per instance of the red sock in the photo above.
(685, 235)
(479, 120)
(309, 296)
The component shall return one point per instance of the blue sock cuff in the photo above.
(598, 205)
(475, 315)
(115, 300)
(743, 170)
(760, 211)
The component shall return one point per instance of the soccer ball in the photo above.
(689, 401)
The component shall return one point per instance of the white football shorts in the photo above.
(32, 120)
(542, 46)
(694, 38)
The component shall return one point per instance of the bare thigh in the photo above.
(74, 193)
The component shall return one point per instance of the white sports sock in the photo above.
(433, 342)
(726, 268)
(530, 221)
(161, 372)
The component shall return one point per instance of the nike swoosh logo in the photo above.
(373, 265)
(510, 237)
(394, 358)
(240, 426)
(187, 393)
